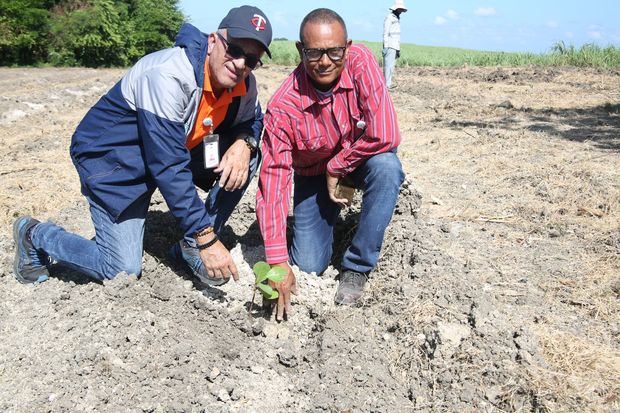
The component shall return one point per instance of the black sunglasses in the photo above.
(335, 54)
(237, 52)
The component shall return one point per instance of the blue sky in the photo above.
(508, 25)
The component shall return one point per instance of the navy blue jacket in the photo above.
(133, 140)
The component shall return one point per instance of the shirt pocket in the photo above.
(315, 144)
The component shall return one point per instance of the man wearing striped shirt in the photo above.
(332, 120)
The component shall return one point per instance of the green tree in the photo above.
(96, 35)
(85, 32)
(156, 23)
(24, 31)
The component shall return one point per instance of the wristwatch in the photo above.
(251, 142)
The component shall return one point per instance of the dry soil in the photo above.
(498, 288)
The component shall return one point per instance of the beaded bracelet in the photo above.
(203, 232)
(207, 244)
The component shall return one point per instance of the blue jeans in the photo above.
(315, 214)
(118, 245)
(389, 61)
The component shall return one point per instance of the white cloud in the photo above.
(570, 35)
(552, 24)
(440, 20)
(452, 14)
(594, 34)
(485, 11)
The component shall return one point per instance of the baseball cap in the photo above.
(248, 22)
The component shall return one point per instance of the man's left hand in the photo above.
(234, 166)
(332, 183)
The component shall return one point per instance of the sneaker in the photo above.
(183, 252)
(351, 287)
(30, 265)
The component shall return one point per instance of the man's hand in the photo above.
(218, 262)
(234, 166)
(332, 183)
(285, 289)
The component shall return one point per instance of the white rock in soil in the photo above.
(451, 334)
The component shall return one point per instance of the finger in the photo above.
(233, 270)
(220, 167)
(239, 180)
(233, 181)
(225, 175)
(244, 178)
(294, 289)
(280, 314)
(342, 202)
(217, 273)
(287, 302)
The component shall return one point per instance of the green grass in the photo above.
(285, 53)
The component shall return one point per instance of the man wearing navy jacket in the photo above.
(181, 118)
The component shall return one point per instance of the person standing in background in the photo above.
(391, 40)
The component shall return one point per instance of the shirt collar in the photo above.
(307, 92)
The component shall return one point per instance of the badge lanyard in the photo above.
(211, 145)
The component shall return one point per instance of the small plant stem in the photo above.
(253, 297)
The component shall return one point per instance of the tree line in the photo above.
(89, 33)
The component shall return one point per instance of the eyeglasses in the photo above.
(237, 52)
(335, 54)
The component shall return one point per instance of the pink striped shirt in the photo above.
(308, 133)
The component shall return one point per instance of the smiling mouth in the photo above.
(233, 75)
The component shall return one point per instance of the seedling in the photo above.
(263, 272)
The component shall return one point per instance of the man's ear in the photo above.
(211, 43)
(300, 47)
(346, 52)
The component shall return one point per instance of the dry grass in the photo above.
(581, 375)
(549, 191)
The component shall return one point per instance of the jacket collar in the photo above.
(195, 43)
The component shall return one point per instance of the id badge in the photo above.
(211, 145)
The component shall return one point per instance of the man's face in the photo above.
(225, 70)
(325, 71)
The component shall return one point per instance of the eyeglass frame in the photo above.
(324, 51)
(242, 53)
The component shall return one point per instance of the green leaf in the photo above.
(276, 274)
(261, 269)
(267, 291)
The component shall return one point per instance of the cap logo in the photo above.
(259, 22)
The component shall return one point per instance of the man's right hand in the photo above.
(218, 262)
(285, 289)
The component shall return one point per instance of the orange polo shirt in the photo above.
(211, 107)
